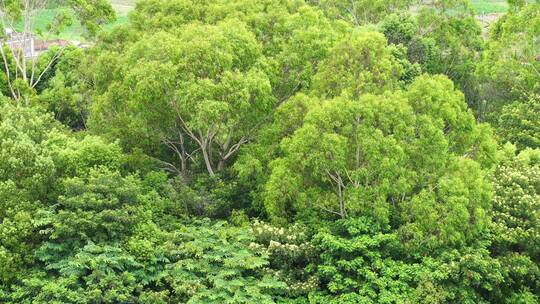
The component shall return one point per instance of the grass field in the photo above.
(75, 32)
(489, 6)
(123, 7)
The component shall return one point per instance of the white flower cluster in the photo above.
(265, 232)
(273, 272)
(190, 288)
(304, 287)
(516, 204)
(283, 241)
(293, 286)
(288, 247)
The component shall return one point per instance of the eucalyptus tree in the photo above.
(211, 88)
(202, 92)
(294, 36)
(253, 164)
(411, 158)
(359, 63)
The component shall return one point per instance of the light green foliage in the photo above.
(308, 39)
(77, 157)
(329, 143)
(399, 28)
(327, 152)
(294, 36)
(458, 43)
(444, 36)
(360, 63)
(412, 156)
(516, 5)
(360, 12)
(403, 30)
(205, 86)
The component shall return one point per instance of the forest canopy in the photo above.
(272, 151)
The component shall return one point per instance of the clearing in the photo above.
(489, 6)
(75, 32)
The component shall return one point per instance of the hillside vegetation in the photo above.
(271, 151)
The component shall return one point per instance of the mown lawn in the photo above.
(76, 32)
(123, 7)
(490, 6)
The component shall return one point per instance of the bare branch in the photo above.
(328, 210)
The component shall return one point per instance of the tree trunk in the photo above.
(207, 161)
(221, 164)
(342, 211)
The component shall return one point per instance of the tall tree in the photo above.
(412, 158)
(294, 36)
(203, 90)
(442, 37)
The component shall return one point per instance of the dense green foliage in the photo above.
(275, 151)
(518, 123)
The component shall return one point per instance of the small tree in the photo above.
(516, 204)
(518, 123)
(23, 68)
